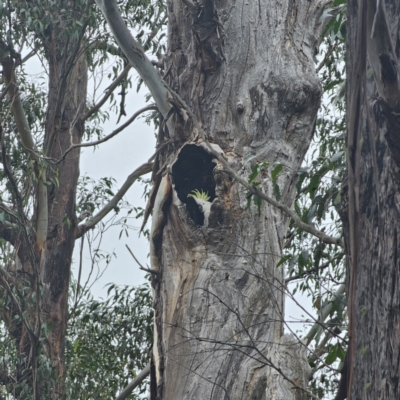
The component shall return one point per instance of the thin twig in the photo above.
(106, 138)
(151, 271)
(108, 92)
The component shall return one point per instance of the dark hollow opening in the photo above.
(193, 170)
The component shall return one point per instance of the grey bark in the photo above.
(243, 79)
(247, 72)
(373, 210)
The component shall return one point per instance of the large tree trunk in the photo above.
(373, 106)
(246, 69)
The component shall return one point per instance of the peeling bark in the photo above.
(247, 72)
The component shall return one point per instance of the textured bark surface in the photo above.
(374, 199)
(64, 125)
(246, 69)
(50, 268)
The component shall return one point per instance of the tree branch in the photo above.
(108, 137)
(312, 270)
(323, 315)
(90, 223)
(149, 270)
(108, 92)
(26, 138)
(135, 55)
(134, 383)
(252, 189)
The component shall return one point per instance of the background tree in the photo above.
(108, 342)
(373, 198)
(41, 132)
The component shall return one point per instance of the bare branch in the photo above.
(135, 55)
(89, 224)
(135, 383)
(108, 137)
(149, 270)
(108, 92)
(28, 56)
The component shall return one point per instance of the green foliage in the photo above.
(60, 31)
(14, 363)
(318, 203)
(108, 342)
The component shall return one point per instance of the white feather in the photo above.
(205, 208)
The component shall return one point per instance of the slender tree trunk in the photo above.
(373, 106)
(43, 273)
(246, 69)
(55, 270)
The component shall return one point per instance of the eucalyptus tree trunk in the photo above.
(45, 244)
(373, 140)
(246, 70)
(64, 126)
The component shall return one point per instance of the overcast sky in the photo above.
(117, 158)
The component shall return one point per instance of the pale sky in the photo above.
(117, 158)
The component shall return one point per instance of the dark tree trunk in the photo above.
(43, 272)
(374, 199)
(246, 69)
(64, 125)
